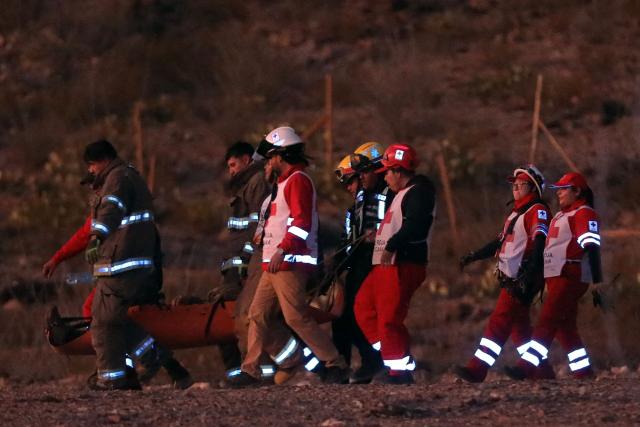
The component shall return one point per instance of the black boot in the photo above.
(180, 377)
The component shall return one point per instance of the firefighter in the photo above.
(290, 257)
(571, 263)
(254, 271)
(399, 261)
(125, 251)
(362, 220)
(247, 189)
(518, 249)
(77, 243)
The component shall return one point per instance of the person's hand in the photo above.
(466, 260)
(370, 236)
(91, 253)
(49, 267)
(602, 295)
(387, 258)
(276, 261)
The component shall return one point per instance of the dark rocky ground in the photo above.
(447, 401)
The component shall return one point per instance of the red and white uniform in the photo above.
(390, 225)
(569, 233)
(510, 317)
(518, 245)
(292, 224)
(567, 276)
(382, 302)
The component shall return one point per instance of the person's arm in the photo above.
(417, 211)
(114, 204)
(587, 228)
(593, 252)
(75, 245)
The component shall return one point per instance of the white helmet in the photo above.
(534, 174)
(283, 137)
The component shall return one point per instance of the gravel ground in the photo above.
(445, 402)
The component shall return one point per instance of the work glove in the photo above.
(224, 292)
(466, 260)
(601, 297)
(91, 253)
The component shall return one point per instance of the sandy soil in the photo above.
(444, 402)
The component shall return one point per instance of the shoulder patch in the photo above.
(542, 214)
(593, 226)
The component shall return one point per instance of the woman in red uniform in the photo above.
(518, 249)
(571, 262)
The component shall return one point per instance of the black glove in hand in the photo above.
(91, 252)
(466, 260)
(602, 300)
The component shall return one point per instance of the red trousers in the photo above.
(510, 318)
(382, 304)
(88, 302)
(558, 320)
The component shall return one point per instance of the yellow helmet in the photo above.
(343, 170)
(371, 150)
(367, 155)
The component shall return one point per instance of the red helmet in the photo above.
(399, 156)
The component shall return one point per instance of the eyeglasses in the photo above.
(517, 186)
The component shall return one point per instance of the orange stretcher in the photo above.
(175, 326)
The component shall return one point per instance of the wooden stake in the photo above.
(448, 196)
(536, 118)
(136, 126)
(315, 127)
(558, 147)
(328, 127)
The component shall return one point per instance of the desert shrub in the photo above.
(52, 204)
(514, 80)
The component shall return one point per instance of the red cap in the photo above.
(571, 179)
(399, 156)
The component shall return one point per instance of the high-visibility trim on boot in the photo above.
(287, 351)
(493, 346)
(486, 358)
(233, 372)
(535, 345)
(531, 359)
(129, 361)
(111, 375)
(580, 364)
(522, 349)
(267, 370)
(405, 364)
(311, 364)
(143, 347)
(577, 354)
(578, 359)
